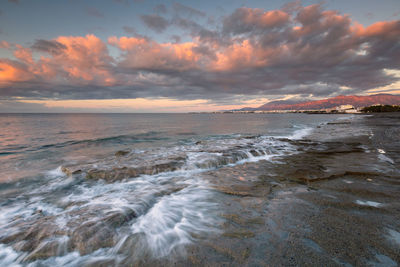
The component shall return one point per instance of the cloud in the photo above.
(14, 1)
(145, 54)
(52, 47)
(4, 44)
(160, 9)
(296, 50)
(71, 61)
(126, 2)
(155, 22)
(129, 30)
(245, 20)
(181, 9)
(94, 12)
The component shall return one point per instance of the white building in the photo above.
(347, 109)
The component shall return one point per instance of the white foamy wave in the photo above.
(174, 218)
(56, 172)
(301, 133)
(166, 211)
(8, 256)
(385, 158)
(394, 236)
(369, 203)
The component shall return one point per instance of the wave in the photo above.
(118, 139)
(168, 205)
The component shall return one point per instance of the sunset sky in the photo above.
(179, 56)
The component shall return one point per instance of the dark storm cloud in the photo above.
(306, 51)
(155, 22)
(52, 47)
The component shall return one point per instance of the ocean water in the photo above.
(164, 194)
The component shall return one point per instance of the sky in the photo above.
(192, 56)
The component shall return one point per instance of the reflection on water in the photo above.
(33, 143)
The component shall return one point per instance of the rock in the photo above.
(255, 153)
(117, 219)
(92, 236)
(234, 190)
(70, 170)
(43, 251)
(121, 153)
(239, 234)
(115, 174)
(100, 263)
(338, 122)
(38, 232)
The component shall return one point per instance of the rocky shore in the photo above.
(331, 200)
(336, 203)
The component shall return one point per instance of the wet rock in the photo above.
(338, 122)
(70, 170)
(234, 191)
(115, 174)
(121, 153)
(239, 234)
(250, 137)
(39, 231)
(254, 153)
(117, 219)
(12, 237)
(43, 251)
(92, 236)
(100, 263)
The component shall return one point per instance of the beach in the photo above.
(221, 190)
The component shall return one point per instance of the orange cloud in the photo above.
(4, 44)
(85, 58)
(147, 54)
(23, 54)
(388, 29)
(266, 19)
(11, 72)
(255, 52)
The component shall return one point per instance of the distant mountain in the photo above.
(356, 101)
(273, 104)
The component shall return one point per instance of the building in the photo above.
(346, 109)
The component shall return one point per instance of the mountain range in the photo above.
(356, 101)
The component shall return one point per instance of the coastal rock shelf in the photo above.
(329, 198)
(200, 156)
(115, 174)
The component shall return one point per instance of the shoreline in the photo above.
(333, 204)
(326, 197)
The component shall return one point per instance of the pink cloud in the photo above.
(4, 44)
(255, 51)
(147, 54)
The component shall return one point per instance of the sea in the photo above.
(140, 189)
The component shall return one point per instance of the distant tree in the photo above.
(381, 108)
